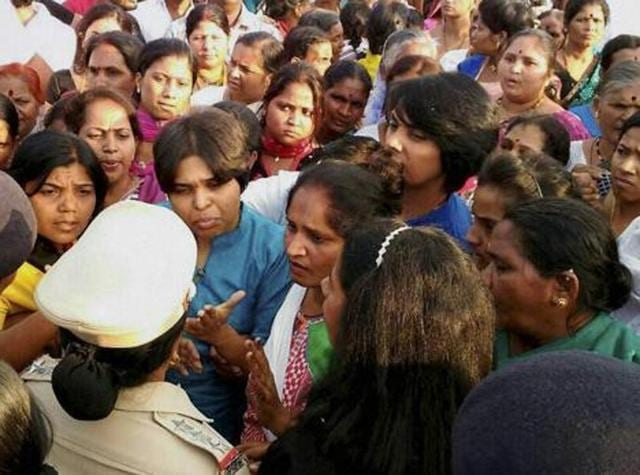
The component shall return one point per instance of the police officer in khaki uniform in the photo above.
(119, 296)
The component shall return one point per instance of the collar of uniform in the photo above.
(158, 397)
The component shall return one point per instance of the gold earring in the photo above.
(559, 302)
(175, 360)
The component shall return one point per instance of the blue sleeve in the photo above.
(270, 294)
(471, 66)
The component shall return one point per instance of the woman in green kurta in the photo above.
(555, 277)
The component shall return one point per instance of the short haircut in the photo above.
(269, 47)
(247, 119)
(465, 134)
(215, 136)
(300, 39)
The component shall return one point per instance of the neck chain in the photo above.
(535, 106)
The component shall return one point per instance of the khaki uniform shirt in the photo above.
(154, 429)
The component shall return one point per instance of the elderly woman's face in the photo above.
(208, 207)
(17, 89)
(522, 296)
(64, 204)
(613, 108)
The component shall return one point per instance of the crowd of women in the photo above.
(326, 237)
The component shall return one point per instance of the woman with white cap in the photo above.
(110, 408)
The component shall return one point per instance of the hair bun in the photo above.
(86, 389)
(620, 284)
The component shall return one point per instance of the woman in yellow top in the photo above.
(66, 187)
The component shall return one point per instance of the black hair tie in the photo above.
(87, 389)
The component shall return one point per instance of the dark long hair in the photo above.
(409, 350)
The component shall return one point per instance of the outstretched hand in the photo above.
(210, 319)
(263, 391)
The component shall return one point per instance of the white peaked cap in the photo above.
(126, 280)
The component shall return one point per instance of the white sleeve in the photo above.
(629, 250)
(268, 196)
(576, 155)
(15, 44)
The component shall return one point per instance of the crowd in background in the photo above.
(330, 237)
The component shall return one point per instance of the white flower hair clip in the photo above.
(387, 241)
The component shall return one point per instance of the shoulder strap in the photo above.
(40, 370)
(201, 435)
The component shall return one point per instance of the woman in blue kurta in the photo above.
(555, 277)
(201, 163)
(441, 128)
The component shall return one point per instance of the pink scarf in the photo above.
(149, 127)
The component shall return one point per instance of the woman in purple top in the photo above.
(526, 71)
